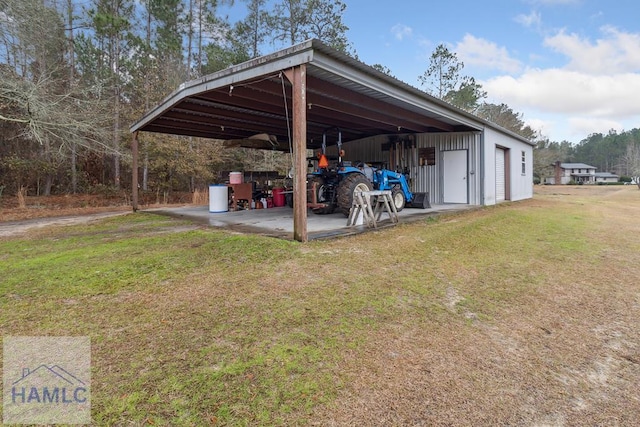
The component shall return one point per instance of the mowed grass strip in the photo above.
(199, 326)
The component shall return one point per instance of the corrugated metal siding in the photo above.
(428, 178)
(423, 178)
(367, 150)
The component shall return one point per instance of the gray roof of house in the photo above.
(606, 175)
(576, 166)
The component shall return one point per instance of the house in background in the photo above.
(564, 173)
(606, 177)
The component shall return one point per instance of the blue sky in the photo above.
(570, 67)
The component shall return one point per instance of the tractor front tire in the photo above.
(348, 186)
(398, 199)
(322, 195)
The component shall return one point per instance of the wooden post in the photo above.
(299, 95)
(134, 172)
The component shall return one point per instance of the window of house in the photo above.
(524, 163)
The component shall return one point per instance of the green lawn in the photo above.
(201, 327)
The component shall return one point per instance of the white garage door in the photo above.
(500, 178)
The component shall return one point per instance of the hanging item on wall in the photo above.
(427, 156)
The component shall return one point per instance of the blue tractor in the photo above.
(332, 188)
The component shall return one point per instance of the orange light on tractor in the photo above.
(323, 163)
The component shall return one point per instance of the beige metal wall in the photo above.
(364, 150)
(422, 178)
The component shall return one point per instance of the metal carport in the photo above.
(294, 95)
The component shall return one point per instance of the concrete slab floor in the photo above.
(278, 222)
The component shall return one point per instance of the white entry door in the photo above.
(455, 172)
(500, 175)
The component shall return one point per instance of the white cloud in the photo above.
(554, 2)
(483, 53)
(615, 52)
(571, 128)
(565, 104)
(534, 19)
(564, 91)
(544, 127)
(400, 31)
(596, 15)
(585, 126)
(597, 90)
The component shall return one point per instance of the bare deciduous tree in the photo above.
(59, 117)
(631, 161)
(38, 92)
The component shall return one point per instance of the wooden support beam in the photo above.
(298, 77)
(134, 172)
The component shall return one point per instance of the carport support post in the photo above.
(298, 77)
(134, 172)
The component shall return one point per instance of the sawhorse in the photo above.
(371, 205)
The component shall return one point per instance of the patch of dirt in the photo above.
(80, 204)
(42, 211)
(12, 228)
(43, 207)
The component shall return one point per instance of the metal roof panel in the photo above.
(255, 97)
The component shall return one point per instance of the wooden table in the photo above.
(242, 191)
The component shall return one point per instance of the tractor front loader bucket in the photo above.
(420, 201)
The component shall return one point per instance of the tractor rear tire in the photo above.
(322, 196)
(348, 186)
(398, 198)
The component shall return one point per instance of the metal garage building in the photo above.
(296, 94)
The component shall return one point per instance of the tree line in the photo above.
(74, 74)
(618, 153)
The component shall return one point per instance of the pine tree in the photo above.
(112, 22)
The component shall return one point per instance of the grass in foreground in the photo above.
(199, 327)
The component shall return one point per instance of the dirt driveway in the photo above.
(11, 228)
